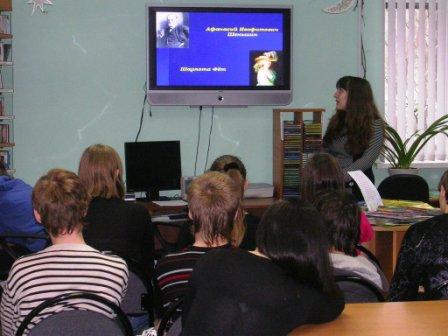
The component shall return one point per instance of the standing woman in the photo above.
(113, 224)
(355, 134)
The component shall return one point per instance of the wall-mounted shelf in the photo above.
(7, 83)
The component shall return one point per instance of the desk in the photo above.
(386, 244)
(256, 206)
(382, 319)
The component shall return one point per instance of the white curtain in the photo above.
(416, 70)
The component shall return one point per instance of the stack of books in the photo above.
(312, 138)
(292, 158)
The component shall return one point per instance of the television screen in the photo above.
(152, 166)
(219, 55)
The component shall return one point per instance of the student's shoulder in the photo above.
(431, 225)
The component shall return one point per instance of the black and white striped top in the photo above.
(367, 159)
(59, 269)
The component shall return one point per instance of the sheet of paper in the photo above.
(369, 192)
(171, 203)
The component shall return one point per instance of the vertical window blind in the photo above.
(416, 75)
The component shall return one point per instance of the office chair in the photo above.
(77, 322)
(369, 255)
(357, 289)
(10, 252)
(404, 187)
(138, 300)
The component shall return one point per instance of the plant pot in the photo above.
(410, 171)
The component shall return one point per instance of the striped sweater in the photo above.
(367, 159)
(59, 269)
(173, 272)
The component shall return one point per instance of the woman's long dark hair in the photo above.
(358, 117)
(322, 172)
(293, 236)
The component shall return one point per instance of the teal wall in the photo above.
(80, 69)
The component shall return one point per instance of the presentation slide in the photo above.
(219, 49)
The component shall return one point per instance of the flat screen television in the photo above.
(219, 55)
(152, 166)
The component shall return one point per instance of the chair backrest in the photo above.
(369, 255)
(138, 298)
(357, 289)
(76, 323)
(84, 324)
(10, 252)
(405, 187)
(165, 322)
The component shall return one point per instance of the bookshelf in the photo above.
(297, 135)
(6, 87)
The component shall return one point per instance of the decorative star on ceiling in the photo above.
(40, 4)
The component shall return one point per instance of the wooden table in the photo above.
(255, 206)
(386, 244)
(382, 319)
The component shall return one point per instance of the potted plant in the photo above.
(400, 154)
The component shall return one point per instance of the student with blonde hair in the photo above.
(213, 200)
(113, 224)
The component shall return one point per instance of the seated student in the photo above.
(247, 228)
(213, 200)
(124, 228)
(423, 257)
(321, 173)
(285, 283)
(16, 212)
(341, 217)
(69, 265)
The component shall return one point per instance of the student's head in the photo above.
(322, 172)
(234, 167)
(342, 218)
(101, 171)
(213, 201)
(3, 170)
(231, 165)
(293, 236)
(60, 202)
(355, 113)
(443, 189)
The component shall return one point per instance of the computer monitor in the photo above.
(152, 166)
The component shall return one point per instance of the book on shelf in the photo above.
(5, 24)
(2, 106)
(5, 51)
(4, 133)
(5, 158)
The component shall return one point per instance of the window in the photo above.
(416, 67)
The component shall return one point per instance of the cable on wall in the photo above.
(209, 138)
(362, 25)
(199, 139)
(142, 114)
